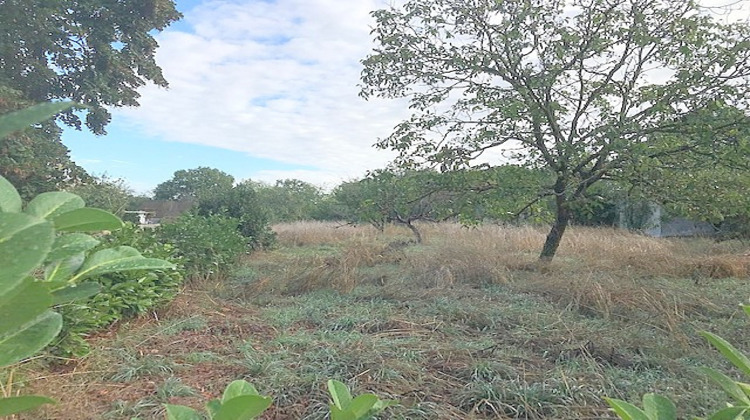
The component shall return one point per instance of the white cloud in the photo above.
(276, 80)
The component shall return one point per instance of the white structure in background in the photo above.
(649, 218)
(143, 216)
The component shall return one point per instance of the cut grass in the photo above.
(463, 326)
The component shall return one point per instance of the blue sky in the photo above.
(259, 89)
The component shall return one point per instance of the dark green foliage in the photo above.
(240, 203)
(599, 206)
(96, 53)
(207, 245)
(122, 295)
(35, 160)
(290, 200)
(507, 193)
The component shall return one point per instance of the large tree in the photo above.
(94, 52)
(578, 87)
(35, 159)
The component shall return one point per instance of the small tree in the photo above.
(581, 88)
(192, 184)
(405, 197)
(105, 192)
(289, 200)
(241, 203)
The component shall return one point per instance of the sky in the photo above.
(260, 89)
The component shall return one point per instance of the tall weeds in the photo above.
(606, 272)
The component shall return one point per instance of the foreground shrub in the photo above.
(207, 245)
(122, 294)
(43, 266)
(46, 259)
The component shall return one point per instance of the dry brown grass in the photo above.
(608, 272)
(320, 233)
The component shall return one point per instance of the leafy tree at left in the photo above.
(34, 159)
(47, 260)
(97, 53)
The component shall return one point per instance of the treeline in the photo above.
(502, 194)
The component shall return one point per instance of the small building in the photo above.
(143, 217)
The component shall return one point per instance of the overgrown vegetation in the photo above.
(121, 295)
(463, 326)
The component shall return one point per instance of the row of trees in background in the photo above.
(595, 99)
(502, 194)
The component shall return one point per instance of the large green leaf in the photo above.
(22, 305)
(339, 414)
(362, 404)
(729, 386)
(63, 270)
(70, 244)
(732, 354)
(18, 120)
(24, 243)
(52, 204)
(213, 407)
(340, 394)
(625, 410)
(244, 407)
(180, 412)
(75, 292)
(730, 413)
(87, 220)
(15, 405)
(237, 389)
(30, 338)
(658, 407)
(121, 258)
(10, 201)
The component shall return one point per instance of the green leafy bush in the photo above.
(122, 294)
(241, 203)
(207, 245)
(46, 259)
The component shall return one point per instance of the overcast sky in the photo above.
(259, 89)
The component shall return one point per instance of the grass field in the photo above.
(463, 326)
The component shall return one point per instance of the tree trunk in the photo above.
(415, 231)
(555, 234)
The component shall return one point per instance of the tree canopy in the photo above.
(93, 52)
(588, 90)
(187, 184)
(289, 200)
(35, 159)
